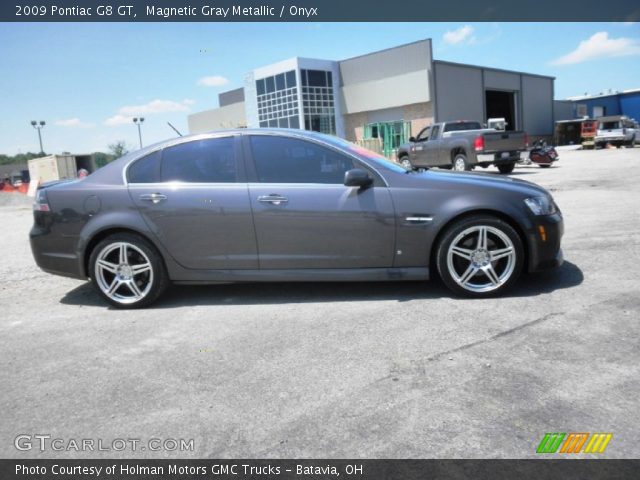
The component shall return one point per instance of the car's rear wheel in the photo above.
(480, 256)
(406, 163)
(506, 167)
(127, 271)
(460, 163)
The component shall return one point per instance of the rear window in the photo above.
(459, 126)
(609, 125)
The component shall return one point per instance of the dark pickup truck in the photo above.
(463, 145)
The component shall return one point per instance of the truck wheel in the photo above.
(406, 163)
(460, 163)
(506, 167)
(127, 271)
(480, 256)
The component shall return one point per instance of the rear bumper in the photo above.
(544, 249)
(497, 158)
(51, 256)
(612, 139)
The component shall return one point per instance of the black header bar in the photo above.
(318, 11)
(543, 469)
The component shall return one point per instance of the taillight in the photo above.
(479, 143)
(41, 204)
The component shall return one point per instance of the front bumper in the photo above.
(543, 239)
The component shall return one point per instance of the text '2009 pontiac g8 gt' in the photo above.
(287, 205)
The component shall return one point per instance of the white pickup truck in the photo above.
(617, 130)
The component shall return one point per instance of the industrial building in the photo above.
(390, 94)
(608, 103)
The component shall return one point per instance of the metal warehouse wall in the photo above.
(537, 105)
(459, 92)
(610, 104)
(390, 78)
(630, 105)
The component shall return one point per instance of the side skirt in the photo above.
(303, 275)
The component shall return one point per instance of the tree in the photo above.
(118, 149)
(101, 158)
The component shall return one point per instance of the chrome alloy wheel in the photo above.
(123, 272)
(406, 163)
(481, 258)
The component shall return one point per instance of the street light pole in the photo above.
(138, 122)
(39, 126)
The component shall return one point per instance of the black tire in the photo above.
(632, 143)
(405, 162)
(452, 268)
(113, 273)
(545, 166)
(460, 163)
(506, 167)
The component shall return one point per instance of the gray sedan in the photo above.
(287, 205)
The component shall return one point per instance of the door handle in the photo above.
(153, 197)
(273, 199)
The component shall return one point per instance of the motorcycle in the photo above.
(542, 154)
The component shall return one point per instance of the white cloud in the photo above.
(213, 81)
(118, 120)
(73, 122)
(126, 114)
(600, 46)
(459, 36)
(156, 106)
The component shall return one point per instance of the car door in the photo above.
(304, 215)
(417, 149)
(432, 147)
(194, 198)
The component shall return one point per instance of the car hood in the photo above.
(473, 180)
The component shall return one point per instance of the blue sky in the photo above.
(87, 79)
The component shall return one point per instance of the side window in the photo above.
(290, 160)
(201, 161)
(424, 134)
(145, 170)
(434, 132)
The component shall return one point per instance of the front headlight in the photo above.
(541, 205)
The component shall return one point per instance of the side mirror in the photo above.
(357, 178)
(412, 139)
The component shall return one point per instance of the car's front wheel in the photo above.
(127, 271)
(480, 256)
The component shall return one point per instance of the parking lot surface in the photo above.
(375, 370)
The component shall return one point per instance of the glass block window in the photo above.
(278, 101)
(318, 101)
